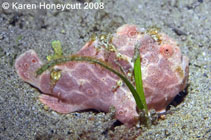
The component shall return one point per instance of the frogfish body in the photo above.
(81, 85)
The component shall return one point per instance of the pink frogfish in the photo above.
(82, 85)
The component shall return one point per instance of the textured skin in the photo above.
(88, 86)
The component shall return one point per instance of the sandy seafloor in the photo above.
(23, 117)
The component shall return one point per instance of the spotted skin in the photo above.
(89, 86)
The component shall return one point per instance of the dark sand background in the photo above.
(23, 117)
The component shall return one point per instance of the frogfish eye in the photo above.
(166, 50)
